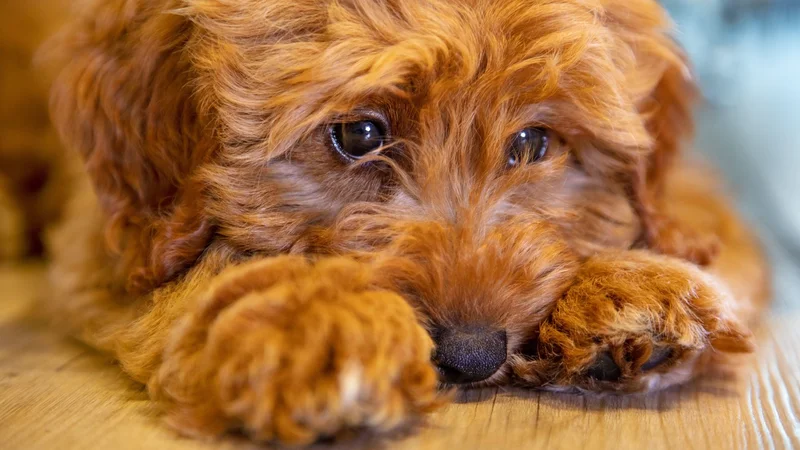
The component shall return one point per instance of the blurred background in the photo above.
(746, 55)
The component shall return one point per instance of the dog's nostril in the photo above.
(468, 355)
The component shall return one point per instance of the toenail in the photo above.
(604, 368)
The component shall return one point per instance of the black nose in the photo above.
(468, 355)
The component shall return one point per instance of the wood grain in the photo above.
(57, 393)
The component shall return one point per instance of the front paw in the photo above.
(633, 321)
(289, 351)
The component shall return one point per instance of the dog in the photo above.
(296, 219)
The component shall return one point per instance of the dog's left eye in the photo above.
(529, 145)
(353, 140)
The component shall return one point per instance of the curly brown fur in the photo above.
(230, 259)
(287, 351)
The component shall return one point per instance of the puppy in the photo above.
(299, 218)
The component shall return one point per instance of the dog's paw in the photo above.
(290, 351)
(633, 321)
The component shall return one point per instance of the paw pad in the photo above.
(659, 356)
(604, 368)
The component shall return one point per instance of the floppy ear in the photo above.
(121, 98)
(666, 99)
(671, 125)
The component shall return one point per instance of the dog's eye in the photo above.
(353, 140)
(529, 145)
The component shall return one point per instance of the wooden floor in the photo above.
(57, 394)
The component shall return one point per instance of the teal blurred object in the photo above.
(723, 37)
(746, 55)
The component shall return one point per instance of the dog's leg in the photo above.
(293, 351)
(637, 320)
(282, 349)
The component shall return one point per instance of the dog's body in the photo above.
(228, 249)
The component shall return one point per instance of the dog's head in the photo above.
(472, 150)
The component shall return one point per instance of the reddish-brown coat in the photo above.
(218, 247)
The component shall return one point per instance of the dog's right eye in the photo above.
(529, 145)
(353, 140)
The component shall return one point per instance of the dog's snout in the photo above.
(468, 355)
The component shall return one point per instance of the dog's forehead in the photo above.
(503, 44)
(504, 61)
(304, 63)
(372, 44)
